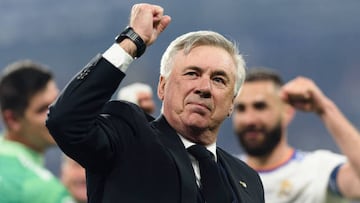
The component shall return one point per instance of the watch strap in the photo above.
(133, 36)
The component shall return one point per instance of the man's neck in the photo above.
(20, 139)
(276, 158)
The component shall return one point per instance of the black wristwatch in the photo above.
(131, 34)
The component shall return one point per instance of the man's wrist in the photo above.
(130, 34)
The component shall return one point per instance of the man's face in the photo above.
(257, 117)
(198, 94)
(32, 124)
(146, 102)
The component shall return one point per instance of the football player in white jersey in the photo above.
(262, 113)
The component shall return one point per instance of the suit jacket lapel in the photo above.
(173, 144)
(236, 181)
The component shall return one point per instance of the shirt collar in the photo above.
(187, 143)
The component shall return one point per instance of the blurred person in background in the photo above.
(73, 176)
(262, 113)
(140, 94)
(26, 91)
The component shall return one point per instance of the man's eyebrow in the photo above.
(238, 105)
(196, 68)
(259, 104)
(221, 73)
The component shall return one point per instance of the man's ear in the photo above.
(11, 120)
(161, 87)
(289, 114)
(231, 107)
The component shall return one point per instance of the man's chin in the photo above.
(197, 120)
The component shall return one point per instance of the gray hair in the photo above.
(191, 40)
(129, 92)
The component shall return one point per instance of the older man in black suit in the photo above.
(129, 158)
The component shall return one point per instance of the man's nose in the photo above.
(249, 117)
(204, 88)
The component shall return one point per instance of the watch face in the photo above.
(132, 35)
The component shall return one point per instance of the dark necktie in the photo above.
(212, 185)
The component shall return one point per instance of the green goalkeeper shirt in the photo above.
(23, 177)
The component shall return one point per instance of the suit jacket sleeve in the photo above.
(75, 119)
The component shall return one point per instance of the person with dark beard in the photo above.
(263, 110)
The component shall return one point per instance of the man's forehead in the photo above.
(257, 91)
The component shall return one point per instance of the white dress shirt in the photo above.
(194, 162)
